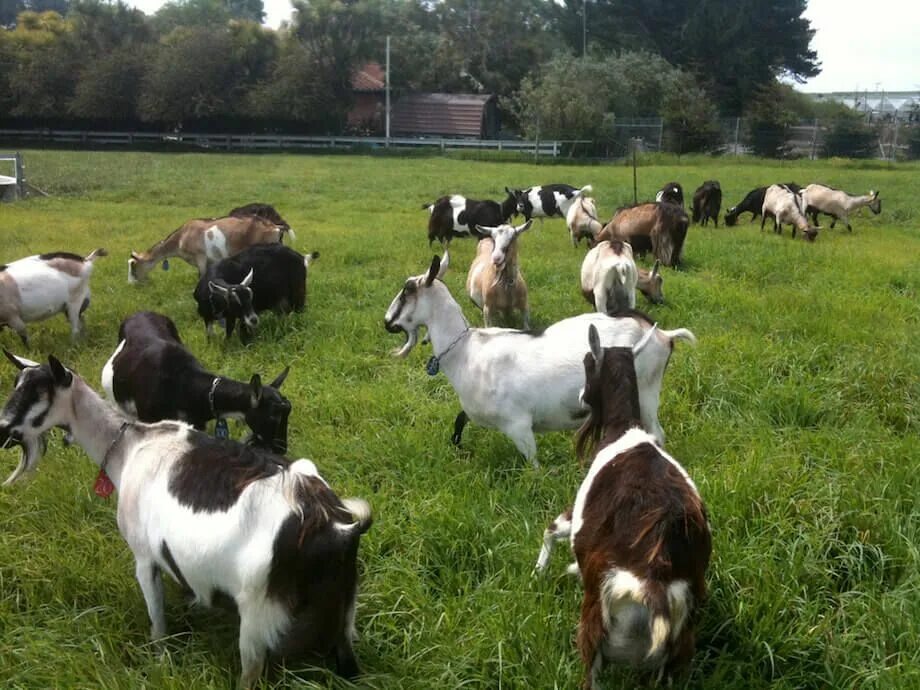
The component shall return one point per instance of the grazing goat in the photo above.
(785, 206)
(204, 240)
(224, 520)
(707, 202)
(547, 201)
(651, 284)
(753, 204)
(264, 211)
(521, 381)
(262, 277)
(581, 219)
(657, 226)
(151, 376)
(38, 287)
(494, 281)
(456, 216)
(839, 205)
(671, 193)
(609, 277)
(638, 529)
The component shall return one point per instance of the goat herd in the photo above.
(190, 504)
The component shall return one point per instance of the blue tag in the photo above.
(165, 264)
(221, 430)
(433, 366)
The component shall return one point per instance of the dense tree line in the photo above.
(558, 72)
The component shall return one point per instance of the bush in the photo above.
(850, 136)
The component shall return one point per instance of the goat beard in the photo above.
(32, 449)
(411, 340)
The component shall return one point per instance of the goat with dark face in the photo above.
(671, 193)
(260, 278)
(152, 377)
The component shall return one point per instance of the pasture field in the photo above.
(798, 416)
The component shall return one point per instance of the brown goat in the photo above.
(494, 281)
(656, 226)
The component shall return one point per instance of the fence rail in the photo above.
(249, 142)
(14, 186)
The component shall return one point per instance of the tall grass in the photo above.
(797, 415)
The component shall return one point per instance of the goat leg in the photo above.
(459, 424)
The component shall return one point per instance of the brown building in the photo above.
(369, 110)
(470, 115)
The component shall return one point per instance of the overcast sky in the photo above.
(861, 45)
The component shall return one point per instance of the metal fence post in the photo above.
(20, 177)
(814, 139)
(660, 133)
(894, 144)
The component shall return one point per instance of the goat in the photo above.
(657, 226)
(671, 193)
(707, 202)
(638, 529)
(548, 200)
(259, 278)
(494, 281)
(521, 381)
(152, 376)
(226, 521)
(581, 220)
(205, 240)
(753, 204)
(651, 284)
(785, 206)
(38, 287)
(456, 216)
(264, 211)
(609, 277)
(838, 204)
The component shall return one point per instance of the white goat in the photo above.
(38, 287)
(820, 198)
(609, 277)
(581, 219)
(786, 207)
(494, 281)
(221, 518)
(519, 382)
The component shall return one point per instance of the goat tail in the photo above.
(680, 334)
(310, 258)
(95, 254)
(361, 511)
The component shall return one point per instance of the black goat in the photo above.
(707, 202)
(153, 377)
(262, 277)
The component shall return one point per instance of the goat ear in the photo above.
(445, 262)
(280, 379)
(656, 267)
(521, 228)
(433, 270)
(215, 288)
(248, 279)
(19, 362)
(486, 229)
(594, 342)
(62, 376)
(255, 383)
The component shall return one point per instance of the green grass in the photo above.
(797, 415)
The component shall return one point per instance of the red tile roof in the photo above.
(369, 77)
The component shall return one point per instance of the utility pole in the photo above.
(388, 94)
(584, 28)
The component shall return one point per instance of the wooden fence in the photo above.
(252, 142)
(13, 187)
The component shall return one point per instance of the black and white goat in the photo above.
(520, 382)
(548, 200)
(456, 216)
(38, 287)
(222, 519)
(152, 376)
(260, 278)
(672, 193)
(838, 204)
(639, 530)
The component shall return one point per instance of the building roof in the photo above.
(440, 113)
(369, 77)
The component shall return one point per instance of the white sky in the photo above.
(861, 45)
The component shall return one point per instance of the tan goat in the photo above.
(608, 277)
(581, 219)
(494, 282)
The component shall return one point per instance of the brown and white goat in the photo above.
(651, 284)
(639, 531)
(38, 287)
(657, 226)
(581, 219)
(222, 519)
(785, 206)
(609, 276)
(494, 281)
(204, 240)
(819, 198)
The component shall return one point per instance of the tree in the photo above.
(109, 86)
(850, 136)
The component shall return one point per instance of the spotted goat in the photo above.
(638, 529)
(228, 522)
